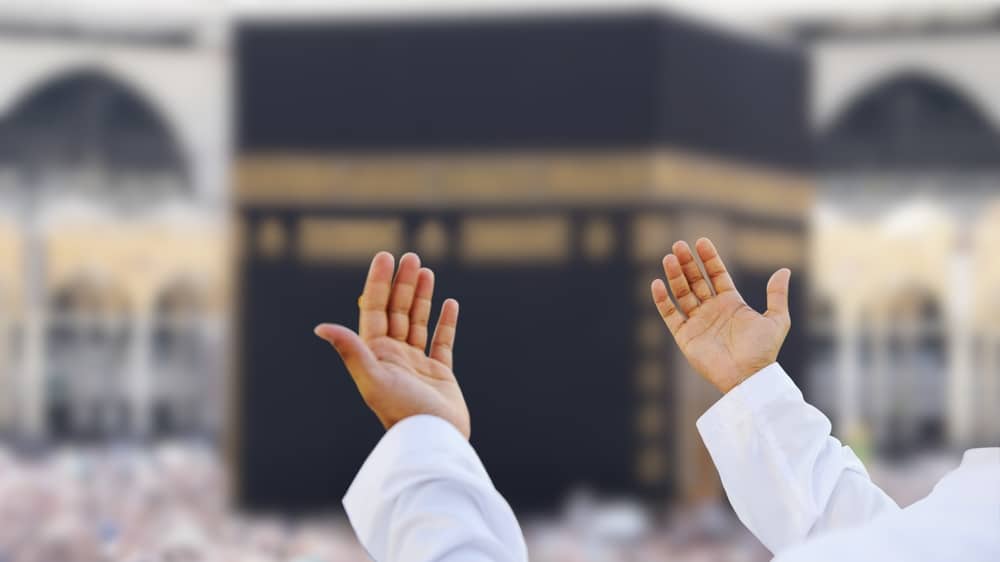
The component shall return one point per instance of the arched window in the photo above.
(991, 408)
(183, 361)
(87, 342)
(11, 334)
(910, 121)
(824, 341)
(88, 133)
(986, 374)
(916, 368)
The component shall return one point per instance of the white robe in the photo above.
(423, 495)
(808, 498)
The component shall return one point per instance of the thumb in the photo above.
(777, 295)
(358, 358)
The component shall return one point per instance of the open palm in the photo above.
(388, 360)
(724, 339)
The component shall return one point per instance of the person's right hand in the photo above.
(388, 360)
(725, 340)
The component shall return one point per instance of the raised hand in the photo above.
(388, 360)
(725, 340)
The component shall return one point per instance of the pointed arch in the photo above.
(86, 120)
(910, 119)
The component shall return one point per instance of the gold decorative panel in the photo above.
(598, 239)
(652, 466)
(431, 239)
(650, 420)
(652, 331)
(509, 239)
(271, 238)
(650, 377)
(651, 237)
(348, 239)
(769, 249)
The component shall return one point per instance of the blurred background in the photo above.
(188, 187)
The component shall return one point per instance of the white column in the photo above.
(32, 399)
(6, 372)
(960, 406)
(32, 385)
(848, 371)
(909, 378)
(990, 396)
(140, 374)
(881, 399)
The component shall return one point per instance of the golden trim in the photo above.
(768, 249)
(652, 331)
(650, 378)
(271, 239)
(431, 239)
(598, 239)
(651, 419)
(651, 465)
(347, 240)
(505, 239)
(579, 178)
(652, 235)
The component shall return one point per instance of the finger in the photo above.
(401, 299)
(374, 321)
(679, 285)
(665, 306)
(420, 313)
(358, 358)
(777, 296)
(444, 333)
(714, 267)
(691, 271)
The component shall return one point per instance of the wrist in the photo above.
(456, 421)
(753, 371)
(730, 381)
(735, 377)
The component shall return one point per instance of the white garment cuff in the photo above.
(738, 406)
(411, 443)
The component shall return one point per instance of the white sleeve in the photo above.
(785, 476)
(959, 520)
(423, 495)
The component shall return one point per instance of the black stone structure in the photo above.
(541, 165)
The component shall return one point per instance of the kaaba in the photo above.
(542, 165)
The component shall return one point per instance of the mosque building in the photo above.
(113, 202)
(906, 302)
(186, 191)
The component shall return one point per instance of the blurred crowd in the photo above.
(125, 504)
(168, 504)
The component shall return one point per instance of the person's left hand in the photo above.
(388, 360)
(724, 339)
